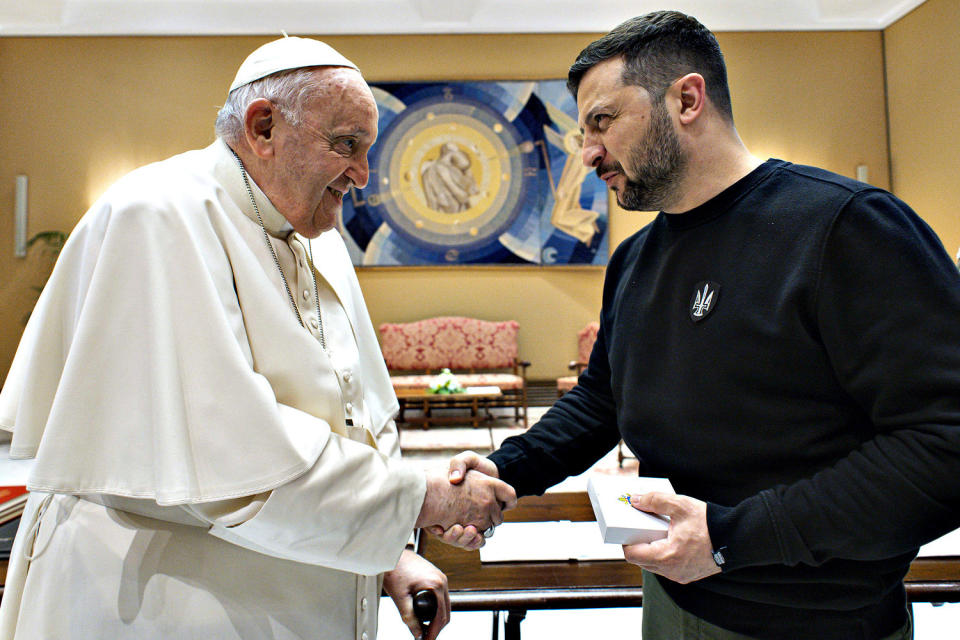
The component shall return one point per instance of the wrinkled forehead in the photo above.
(599, 87)
(344, 100)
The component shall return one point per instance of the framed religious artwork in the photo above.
(477, 173)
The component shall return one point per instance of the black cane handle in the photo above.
(425, 606)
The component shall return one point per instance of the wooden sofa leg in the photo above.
(524, 406)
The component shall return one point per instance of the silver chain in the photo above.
(276, 260)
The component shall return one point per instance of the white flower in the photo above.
(445, 382)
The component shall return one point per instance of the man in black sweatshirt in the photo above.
(783, 343)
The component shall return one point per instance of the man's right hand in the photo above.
(476, 500)
(463, 462)
(467, 536)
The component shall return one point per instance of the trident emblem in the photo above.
(704, 300)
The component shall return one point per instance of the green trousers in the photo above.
(664, 620)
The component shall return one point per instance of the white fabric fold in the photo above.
(162, 362)
(351, 507)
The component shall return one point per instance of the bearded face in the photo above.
(654, 165)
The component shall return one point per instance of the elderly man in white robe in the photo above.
(210, 414)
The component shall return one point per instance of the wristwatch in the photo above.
(719, 557)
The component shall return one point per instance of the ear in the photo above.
(692, 94)
(259, 121)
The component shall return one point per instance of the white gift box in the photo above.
(619, 522)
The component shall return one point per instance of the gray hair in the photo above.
(287, 90)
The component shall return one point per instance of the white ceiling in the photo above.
(239, 17)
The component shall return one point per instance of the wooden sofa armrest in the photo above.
(577, 365)
(520, 369)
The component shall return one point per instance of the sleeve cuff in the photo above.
(743, 535)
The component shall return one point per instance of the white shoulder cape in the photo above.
(161, 362)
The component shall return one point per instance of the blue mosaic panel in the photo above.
(477, 173)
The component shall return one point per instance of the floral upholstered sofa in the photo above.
(585, 339)
(481, 353)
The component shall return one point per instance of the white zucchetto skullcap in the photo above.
(288, 53)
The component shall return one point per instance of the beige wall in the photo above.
(922, 56)
(80, 112)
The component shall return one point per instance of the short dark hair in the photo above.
(657, 48)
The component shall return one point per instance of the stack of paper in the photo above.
(479, 391)
(13, 480)
(945, 546)
(12, 499)
(558, 540)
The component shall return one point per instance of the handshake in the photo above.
(466, 501)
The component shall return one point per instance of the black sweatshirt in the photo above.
(813, 402)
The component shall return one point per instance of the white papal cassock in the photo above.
(204, 468)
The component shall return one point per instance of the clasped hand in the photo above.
(476, 500)
(467, 468)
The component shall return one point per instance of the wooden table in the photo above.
(428, 402)
(517, 587)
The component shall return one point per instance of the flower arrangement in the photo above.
(445, 383)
